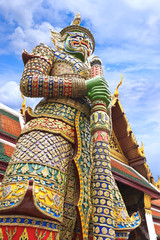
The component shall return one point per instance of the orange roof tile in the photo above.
(8, 150)
(10, 126)
(128, 173)
(122, 168)
(157, 228)
(156, 202)
(155, 213)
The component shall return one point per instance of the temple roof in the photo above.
(129, 176)
(157, 228)
(126, 149)
(10, 128)
(123, 132)
(5, 155)
(129, 162)
(6, 150)
(155, 208)
(156, 202)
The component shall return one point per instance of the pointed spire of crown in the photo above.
(76, 20)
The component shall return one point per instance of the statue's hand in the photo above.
(97, 89)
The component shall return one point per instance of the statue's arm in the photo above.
(37, 82)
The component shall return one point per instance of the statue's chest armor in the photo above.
(60, 68)
(66, 64)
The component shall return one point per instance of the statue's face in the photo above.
(79, 45)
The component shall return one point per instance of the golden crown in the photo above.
(75, 26)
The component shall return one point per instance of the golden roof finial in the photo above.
(23, 109)
(141, 150)
(116, 94)
(157, 184)
(76, 20)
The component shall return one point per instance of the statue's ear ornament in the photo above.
(57, 39)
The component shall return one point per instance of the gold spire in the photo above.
(141, 150)
(157, 184)
(116, 94)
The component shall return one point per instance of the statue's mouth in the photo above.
(81, 43)
(75, 43)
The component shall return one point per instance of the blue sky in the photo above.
(127, 35)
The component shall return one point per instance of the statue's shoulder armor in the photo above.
(41, 51)
(51, 55)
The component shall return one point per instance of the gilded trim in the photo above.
(52, 126)
(85, 217)
(28, 222)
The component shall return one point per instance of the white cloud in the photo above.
(143, 4)
(29, 38)
(112, 22)
(20, 12)
(7, 73)
(11, 96)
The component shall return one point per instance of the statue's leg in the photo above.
(43, 157)
(70, 202)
